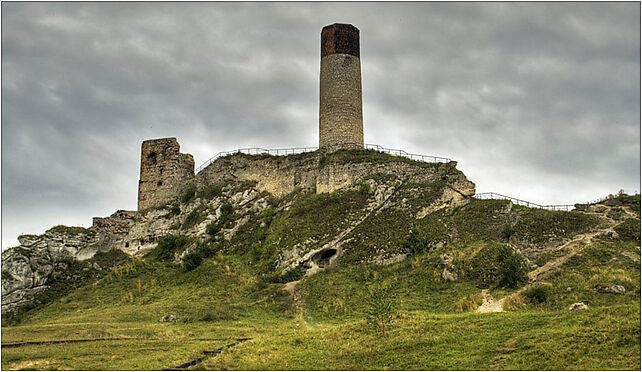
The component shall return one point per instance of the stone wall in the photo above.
(281, 175)
(163, 172)
(340, 104)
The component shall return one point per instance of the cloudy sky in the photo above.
(535, 100)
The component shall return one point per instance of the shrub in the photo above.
(469, 303)
(191, 261)
(210, 191)
(268, 216)
(212, 228)
(507, 231)
(416, 241)
(629, 229)
(174, 210)
(194, 217)
(188, 193)
(289, 276)
(514, 302)
(167, 247)
(513, 267)
(537, 293)
(381, 310)
(364, 188)
(497, 264)
(226, 214)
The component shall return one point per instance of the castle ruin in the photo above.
(340, 109)
(164, 170)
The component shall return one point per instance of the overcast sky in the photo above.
(539, 101)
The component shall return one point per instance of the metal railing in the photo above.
(299, 150)
(552, 207)
(417, 157)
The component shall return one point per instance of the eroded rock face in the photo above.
(249, 184)
(28, 268)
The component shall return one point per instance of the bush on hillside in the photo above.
(191, 261)
(226, 214)
(188, 193)
(537, 293)
(629, 229)
(168, 246)
(497, 265)
(416, 241)
(210, 191)
(194, 259)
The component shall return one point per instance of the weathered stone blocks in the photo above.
(340, 103)
(163, 172)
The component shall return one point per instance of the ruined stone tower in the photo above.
(340, 113)
(163, 172)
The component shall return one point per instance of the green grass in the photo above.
(224, 298)
(70, 230)
(235, 290)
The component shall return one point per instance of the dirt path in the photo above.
(574, 246)
(489, 304)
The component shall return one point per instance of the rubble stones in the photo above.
(614, 289)
(578, 306)
(168, 318)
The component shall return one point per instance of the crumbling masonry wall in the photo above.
(163, 172)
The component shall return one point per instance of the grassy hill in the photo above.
(226, 290)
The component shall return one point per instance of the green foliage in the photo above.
(481, 220)
(268, 215)
(191, 261)
(538, 293)
(370, 156)
(168, 246)
(507, 231)
(513, 267)
(194, 217)
(416, 242)
(381, 310)
(497, 264)
(629, 230)
(210, 191)
(70, 230)
(540, 226)
(226, 214)
(622, 199)
(212, 228)
(188, 193)
(289, 276)
(364, 188)
(194, 259)
(469, 303)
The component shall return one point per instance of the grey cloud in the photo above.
(536, 100)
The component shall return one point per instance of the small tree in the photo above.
(381, 310)
(513, 267)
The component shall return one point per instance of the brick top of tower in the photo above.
(340, 38)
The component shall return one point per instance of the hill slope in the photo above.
(305, 275)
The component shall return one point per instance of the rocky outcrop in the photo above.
(28, 268)
(247, 184)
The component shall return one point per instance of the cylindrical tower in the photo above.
(340, 113)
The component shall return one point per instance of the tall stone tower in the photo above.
(163, 172)
(340, 113)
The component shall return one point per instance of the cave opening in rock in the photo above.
(322, 258)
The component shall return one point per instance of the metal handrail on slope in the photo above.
(299, 150)
(552, 207)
